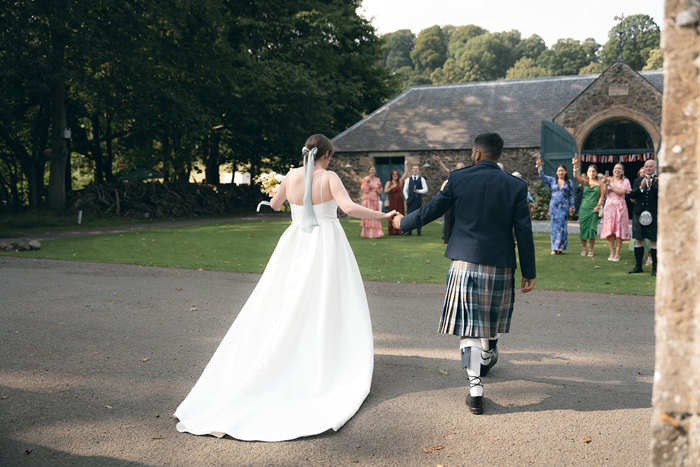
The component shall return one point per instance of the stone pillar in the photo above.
(676, 399)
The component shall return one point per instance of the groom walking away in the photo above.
(490, 205)
(413, 188)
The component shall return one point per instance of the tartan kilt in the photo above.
(478, 300)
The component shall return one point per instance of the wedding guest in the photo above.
(413, 189)
(593, 194)
(615, 216)
(530, 200)
(561, 205)
(645, 195)
(395, 198)
(449, 216)
(371, 189)
(630, 208)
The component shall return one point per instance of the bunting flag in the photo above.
(615, 158)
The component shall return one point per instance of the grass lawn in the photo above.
(37, 220)
(246, 246)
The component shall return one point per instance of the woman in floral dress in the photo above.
(615, 214)
(371, 189)
(560, 206)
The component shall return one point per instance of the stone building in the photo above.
(606, 118)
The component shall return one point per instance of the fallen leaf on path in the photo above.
(178, 288)
(587, 439)
(28, 451)
(441, 371)
(108, 407)
(157, 437)
(432, 449)
(145, 359)
(4, 397)
(194, 308)
(666, 418)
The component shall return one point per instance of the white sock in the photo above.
(474, 368)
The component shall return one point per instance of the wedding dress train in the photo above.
(298, 359)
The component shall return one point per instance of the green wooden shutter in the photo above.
(557, 147)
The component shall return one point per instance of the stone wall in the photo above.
(676, 398)
(513, 159)
(618, 92)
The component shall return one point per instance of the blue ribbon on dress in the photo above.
(308, 220)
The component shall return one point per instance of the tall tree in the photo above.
(459, 38)
(532, 47)
(632, 38)
(397, 48)
(565, 57)
(430, 51)
(526, 68)
(487, 57)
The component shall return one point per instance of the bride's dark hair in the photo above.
(322, 143)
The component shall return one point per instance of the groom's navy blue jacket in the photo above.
(490, 206)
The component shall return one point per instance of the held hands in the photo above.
(527, 285)
(389, 215)
(396, 221)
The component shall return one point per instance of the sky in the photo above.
(550, 19)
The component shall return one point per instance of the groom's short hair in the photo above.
(490, 144)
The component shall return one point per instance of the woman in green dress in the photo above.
(591, 205)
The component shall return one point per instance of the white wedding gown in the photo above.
(298, 359)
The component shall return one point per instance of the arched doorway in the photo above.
(617, 140)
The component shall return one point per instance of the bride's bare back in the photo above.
(325, 186)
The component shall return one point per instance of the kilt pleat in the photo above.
(478, 300)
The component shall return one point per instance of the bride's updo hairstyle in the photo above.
(322, 143)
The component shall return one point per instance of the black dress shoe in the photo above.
(475, 404)
(636, 270)
(653, 272)
(494, 358)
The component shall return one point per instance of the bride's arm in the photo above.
(340, 195)
(281, 196)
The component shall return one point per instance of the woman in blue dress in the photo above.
(561, 205)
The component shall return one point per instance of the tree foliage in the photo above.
(526, 68)
(163, 84)
(655, 60)
(634, 37)
(430, 50)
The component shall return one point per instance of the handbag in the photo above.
(645, 218)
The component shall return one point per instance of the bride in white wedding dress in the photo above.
(298, 359)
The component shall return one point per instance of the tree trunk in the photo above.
(96, 150)
(109, 162)
(212, 162)
(57, 174)
(166, 159)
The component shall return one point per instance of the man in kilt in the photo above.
(645, 196)
(490, 209)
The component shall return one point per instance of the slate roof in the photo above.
(450, 116)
